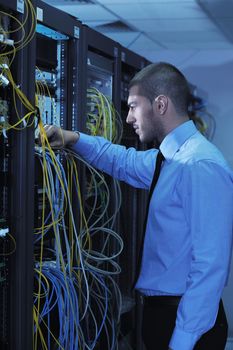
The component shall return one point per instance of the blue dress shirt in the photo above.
(188, 240)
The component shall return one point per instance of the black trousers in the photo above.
(159, 322)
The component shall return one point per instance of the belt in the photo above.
(158, 300)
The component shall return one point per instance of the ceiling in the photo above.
(149, 26)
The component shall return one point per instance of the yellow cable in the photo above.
(45, 140)
(36, 319)
(46, 281)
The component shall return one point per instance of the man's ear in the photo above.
(161, 103)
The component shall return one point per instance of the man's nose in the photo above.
(130, 119)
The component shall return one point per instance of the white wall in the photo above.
(212, 72)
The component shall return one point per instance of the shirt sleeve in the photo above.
(134, 167)
(207, 197)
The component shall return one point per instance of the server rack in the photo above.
(17, 175)
(57, 84)
(101, 76)
(92, 66)
(100, 70)
(132, 212)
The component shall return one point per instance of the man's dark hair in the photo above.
(163, 79)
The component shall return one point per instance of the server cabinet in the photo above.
(84, 312)
(132, 213)
(16, 190)
(100, 109)
(56, 310)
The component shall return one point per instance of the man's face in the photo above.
(142, 116)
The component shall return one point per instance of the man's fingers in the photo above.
(50, 131)
(54, 135)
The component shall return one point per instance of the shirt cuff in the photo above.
(84, 144)
(182, 340)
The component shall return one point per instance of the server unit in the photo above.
(55, 311)
(100, 68)
(17, 27)
(57, 56)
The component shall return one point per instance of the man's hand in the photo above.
(59, 138)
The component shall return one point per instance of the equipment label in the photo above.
(20, 6)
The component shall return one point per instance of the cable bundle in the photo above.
(9, 48)
(102, 118)
(72, 278)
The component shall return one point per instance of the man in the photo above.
(188, 235)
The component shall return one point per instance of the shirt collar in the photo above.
(176, 138)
